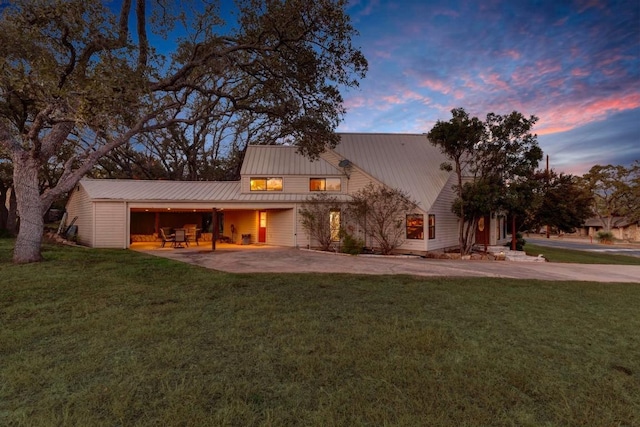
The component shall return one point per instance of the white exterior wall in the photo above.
(447, 222)
(79, 205)
(280, 227)
(245, 222)
(110, 225)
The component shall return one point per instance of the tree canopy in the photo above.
(78, 80)
(490, 158)
(615, 191)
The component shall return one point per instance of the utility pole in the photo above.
(546, 178)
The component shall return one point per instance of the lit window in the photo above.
(334, 225)
(266, 184)
(432, 226)
(325, 184)
(415, 226)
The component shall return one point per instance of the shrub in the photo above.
(350, 244)
(520, 242)
(605, 236)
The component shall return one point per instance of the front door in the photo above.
(262, 227)
(482, 231)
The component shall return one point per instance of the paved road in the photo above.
(289, 260)
(621, 249)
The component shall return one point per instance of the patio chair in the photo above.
(180, 238)
(166, 236)
(192, 232)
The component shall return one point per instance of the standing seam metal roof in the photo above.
(282, 160)
(188, 191)
(405, 161)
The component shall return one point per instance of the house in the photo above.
(621, 227)
(263, 207)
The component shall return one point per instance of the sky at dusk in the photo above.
(573, 64)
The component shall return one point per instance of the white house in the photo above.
(263, 207)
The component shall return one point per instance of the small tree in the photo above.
(316, 218)
(558, 200)
(381, 212)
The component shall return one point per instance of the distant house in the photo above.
(621, 227)
(263, 207)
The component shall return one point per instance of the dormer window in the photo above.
(265, 184)
(325, 184)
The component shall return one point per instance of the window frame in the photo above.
(414, 229)
(431, 224)
(323, 186)
(266, 183)
(334, 229)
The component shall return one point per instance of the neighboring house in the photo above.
(263, 207)
(621, 228)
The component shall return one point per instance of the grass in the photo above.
(108, 337)
(579, 257)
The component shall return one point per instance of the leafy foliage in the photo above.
(605, 236)
(492, 160)
(78, 82)
(557, 200)
(615, 192)
(381, 212)
(351, 245)
(316, 216)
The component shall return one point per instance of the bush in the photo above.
(350, 244)
(605, 236)
(520, 242)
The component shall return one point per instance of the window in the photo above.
(325, 184)
(334, 225)
(432, 226)
(266, 184)
(415, 226)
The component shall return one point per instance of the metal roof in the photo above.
(283, 160)
(144, 190)
(405, 161)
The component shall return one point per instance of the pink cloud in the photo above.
(572, 115)
(496, 81)
(578, 72)
(435, 85)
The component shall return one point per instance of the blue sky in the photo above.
(574, 64)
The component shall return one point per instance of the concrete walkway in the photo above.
(269, 259)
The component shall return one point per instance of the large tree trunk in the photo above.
(31, 211)
(12, 213)
(4, 212)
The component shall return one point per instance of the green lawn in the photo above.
(108, 337)
(579, 257)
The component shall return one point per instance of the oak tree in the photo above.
(77, 76)
(489, 158)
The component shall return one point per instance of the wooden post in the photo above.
(214, 228)
(157, 227)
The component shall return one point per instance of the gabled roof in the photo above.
(405, 161)
(187, 191)
(283, 160)
(617, 221)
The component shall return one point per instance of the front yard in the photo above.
(99, 337)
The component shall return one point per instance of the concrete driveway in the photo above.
(269, 259)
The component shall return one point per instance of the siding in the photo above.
(245, 222)
(81, 206)
(446, 221)
(280, 227)
(111, 225)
